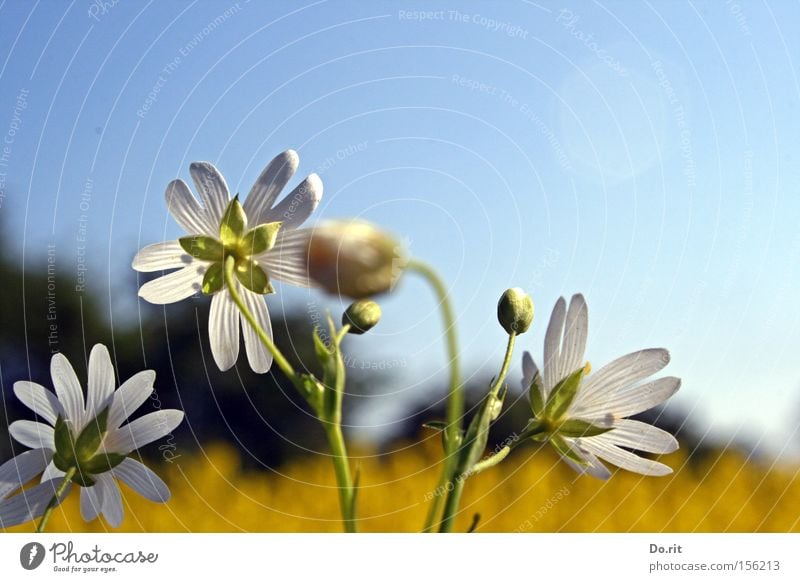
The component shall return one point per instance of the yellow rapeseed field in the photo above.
(529, 492)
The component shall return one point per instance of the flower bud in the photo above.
(515, 310)
(362, 316)
(353, 258)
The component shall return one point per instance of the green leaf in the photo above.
(321, 348)
(535, 393)
(64, 456)
(205, 248)
(90, 438)
(253, 277)
(101, 463)
(575, 428)
(234, 223)
(562, 395)
(435, 425)
(260, 239)
(478, 433)
(560, 445)
(214, 279)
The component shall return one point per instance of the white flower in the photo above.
(88, 436)
(585, 417)
(218, 228)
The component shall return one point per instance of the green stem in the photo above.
(455, 395)
(454, 493)
(277, 356)
(333, 430)
(56, 498)
(347, 496)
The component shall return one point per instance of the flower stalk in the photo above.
(59, 493)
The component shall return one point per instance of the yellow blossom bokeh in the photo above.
(530, 492)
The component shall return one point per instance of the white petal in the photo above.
(161, 256)
(52, 472)
(298, 205)
(29, 504)
(212, 188)
(624, 459)
(287, 261)
(42, 401)
(258, 356)
(142, 480)
(17, 471)
(575, 332)
(552, 346)
(101, 381)
(592, 465)
(68, 389)
(142, 431)
(620, 373)
(629, 401)
(634, 434)
(223, 330)
(35, 435)
(91, 502)
(272, 180)
(529, 370)
(130, 396)
(111, 499)
(175, 286)
(187, 212)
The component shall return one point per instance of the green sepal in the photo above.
(234, 223)
(101, 463)
(214, 279)
(536, 430)
(575, 428)
(535, 394)
(563, 395)
(205, 248)
(253, 277)
(64, 456)
(260, 239)
(560, 445)
(89, 440)
(83, 479)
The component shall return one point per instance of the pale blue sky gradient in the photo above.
(645, 154)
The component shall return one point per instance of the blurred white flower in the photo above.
(272, 247)
(585, 417)
(87, 437)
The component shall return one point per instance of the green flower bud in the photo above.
(362, 316)
(353, 258)
(515, 311)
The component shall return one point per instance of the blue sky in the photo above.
(645, 154)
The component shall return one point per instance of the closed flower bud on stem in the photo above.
(362, 316)
(515, 311)
(353, 258)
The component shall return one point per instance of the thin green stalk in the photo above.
(56, 498)
(333, 430)
(454, 493)
(455, 395)
(344, 479)
(277, 356)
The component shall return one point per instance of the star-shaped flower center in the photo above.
(235, 240)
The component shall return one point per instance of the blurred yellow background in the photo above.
(529, 492)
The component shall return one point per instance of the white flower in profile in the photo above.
(261, 235)
(583, 415)
(85, 440)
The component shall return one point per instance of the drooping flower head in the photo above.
(584, 415)
(260, 234)
(85, 437)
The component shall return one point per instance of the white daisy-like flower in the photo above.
(85, 437)
(583, 415)
(271, 246)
